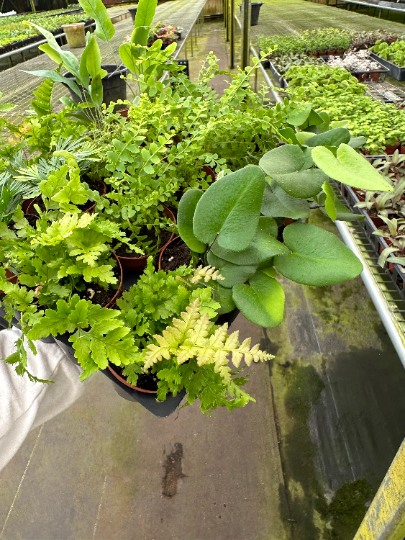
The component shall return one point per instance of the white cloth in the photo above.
(24, 405)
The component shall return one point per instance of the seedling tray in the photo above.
(279, 78)
(395, 71)
(378, 243)
(375, 75)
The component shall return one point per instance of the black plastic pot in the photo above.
(255, 12)
(279, 78)
(396, 72)
(148, 401)
(133, 13)
(114, 87)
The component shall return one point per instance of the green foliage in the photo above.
(309, 82)
(218, 213)
(96, 10)
(143, 20)
(13, 29)
(309, 41)
(394, 53)
(251, 252)
(43, 104)
(193, 353)
(317, 257)
(98, 337)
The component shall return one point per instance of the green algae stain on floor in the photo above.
(348, 508)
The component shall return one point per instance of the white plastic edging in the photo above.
(375, 293)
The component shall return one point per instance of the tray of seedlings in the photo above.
(392, 56)
(384, 217)
(360, 65)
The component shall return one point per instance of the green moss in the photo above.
(348, 508)
(303, 387)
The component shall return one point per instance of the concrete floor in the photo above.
(300, 464)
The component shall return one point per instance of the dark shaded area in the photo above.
(173, 471)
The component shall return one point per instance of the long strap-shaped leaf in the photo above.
(143, 20)
(95, 9)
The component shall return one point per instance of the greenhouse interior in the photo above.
(202, 270)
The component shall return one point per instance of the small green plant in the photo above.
(395, 235)
(190, 352)
(386, 204)
(394, 53)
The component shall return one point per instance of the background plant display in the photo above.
(338, 93)
(394, 53)
(13, 31)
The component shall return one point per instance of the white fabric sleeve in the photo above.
(24, 405)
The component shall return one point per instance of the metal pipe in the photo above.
(246, 12)
(232, 35)
(374, 292)
(225, 5)
(227, 20)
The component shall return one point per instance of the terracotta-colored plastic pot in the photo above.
(139, 263)
(124, 113)
(75, 34)
(31, 209)
(130, 385)
(391, 149)
(164, 249)
(12, 278)
(378, 222)
(402, 149)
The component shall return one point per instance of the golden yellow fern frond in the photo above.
(206, 272)
(189, 337)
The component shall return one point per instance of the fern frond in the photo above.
(189, 337)
(43, 104)
(206, 272)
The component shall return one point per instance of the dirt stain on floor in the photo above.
(173, 471)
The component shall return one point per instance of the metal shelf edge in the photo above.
(376, 296)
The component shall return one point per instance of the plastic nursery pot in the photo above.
(12, 278)
(133, 13)
(124, 112)
(402, 149)
(75, 34)
(139, 263)
(170, 248)
(114, 88)
(26, 204)
(121, 379)
(391, 148)
(255, 12)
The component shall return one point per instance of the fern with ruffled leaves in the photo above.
(194, 353)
